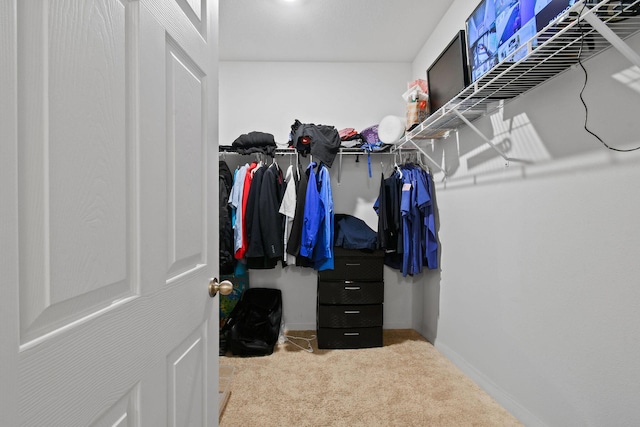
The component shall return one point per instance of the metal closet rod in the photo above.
(394, 151)
(343, 151)
(350, 151)
(361, 152)
(400, 147)
(293, 151)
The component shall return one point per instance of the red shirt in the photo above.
(245, 195)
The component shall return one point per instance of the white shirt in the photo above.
(288, 209)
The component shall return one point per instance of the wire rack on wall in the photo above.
(579, 33)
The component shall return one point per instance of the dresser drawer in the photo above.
(350, 292)
(356, 268)
(349, 316)
(350, 338)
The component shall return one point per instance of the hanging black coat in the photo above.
(390, 235)
(265, 227)
(225, 180)
(295, 238)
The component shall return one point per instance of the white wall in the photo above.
(268, 97)
(538, 294)
(448, 27)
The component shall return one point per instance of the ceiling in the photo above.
(327, 30)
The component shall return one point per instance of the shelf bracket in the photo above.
(611, 37)
(481, 135)
(487, 140)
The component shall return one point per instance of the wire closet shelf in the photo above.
(577, 34)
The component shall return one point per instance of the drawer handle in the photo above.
(352, 288)
(351, 334)
(352, 312)
(352, 264)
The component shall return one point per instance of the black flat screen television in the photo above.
(449, 73)
(499, 30)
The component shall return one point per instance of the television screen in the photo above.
(481, 39)
(449, 74)
(499, 30)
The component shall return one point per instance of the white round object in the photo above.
(391, 129)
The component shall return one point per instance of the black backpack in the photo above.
(253, 326)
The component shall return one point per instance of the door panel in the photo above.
(187, 393)
(123, 413)
(185, 130)
(195, 10)
(77, 239)
(110, 205)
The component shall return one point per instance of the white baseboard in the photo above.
(500, 395)
(299, 326)
(396, 326)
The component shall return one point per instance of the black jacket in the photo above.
(227, 260)
(322, 141)
(265, 229)
(255, 142)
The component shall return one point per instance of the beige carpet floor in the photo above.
(405, 383)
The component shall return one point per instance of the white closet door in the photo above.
(109, 213)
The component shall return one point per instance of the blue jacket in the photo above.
(317, 229)
(420, 241)
(313, 214)
(323, 252)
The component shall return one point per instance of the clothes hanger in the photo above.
(308, 348)
(396, 167)
(421, 163)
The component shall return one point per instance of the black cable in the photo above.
(586, 78)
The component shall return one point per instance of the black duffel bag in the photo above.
(253, 326)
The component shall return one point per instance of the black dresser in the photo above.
(350, 300)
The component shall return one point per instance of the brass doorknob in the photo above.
(225, 287)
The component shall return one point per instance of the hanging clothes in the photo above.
(313, 214)
(288, 209)
(406, 220)
(227, 260)
(431, 234)
(264, 223)
(323, 251)
(270, 219)
(252, 227)
(295, 239)
(387, 206)
(248, 178)
(235, 200)
(411, 224)
(317, 230)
